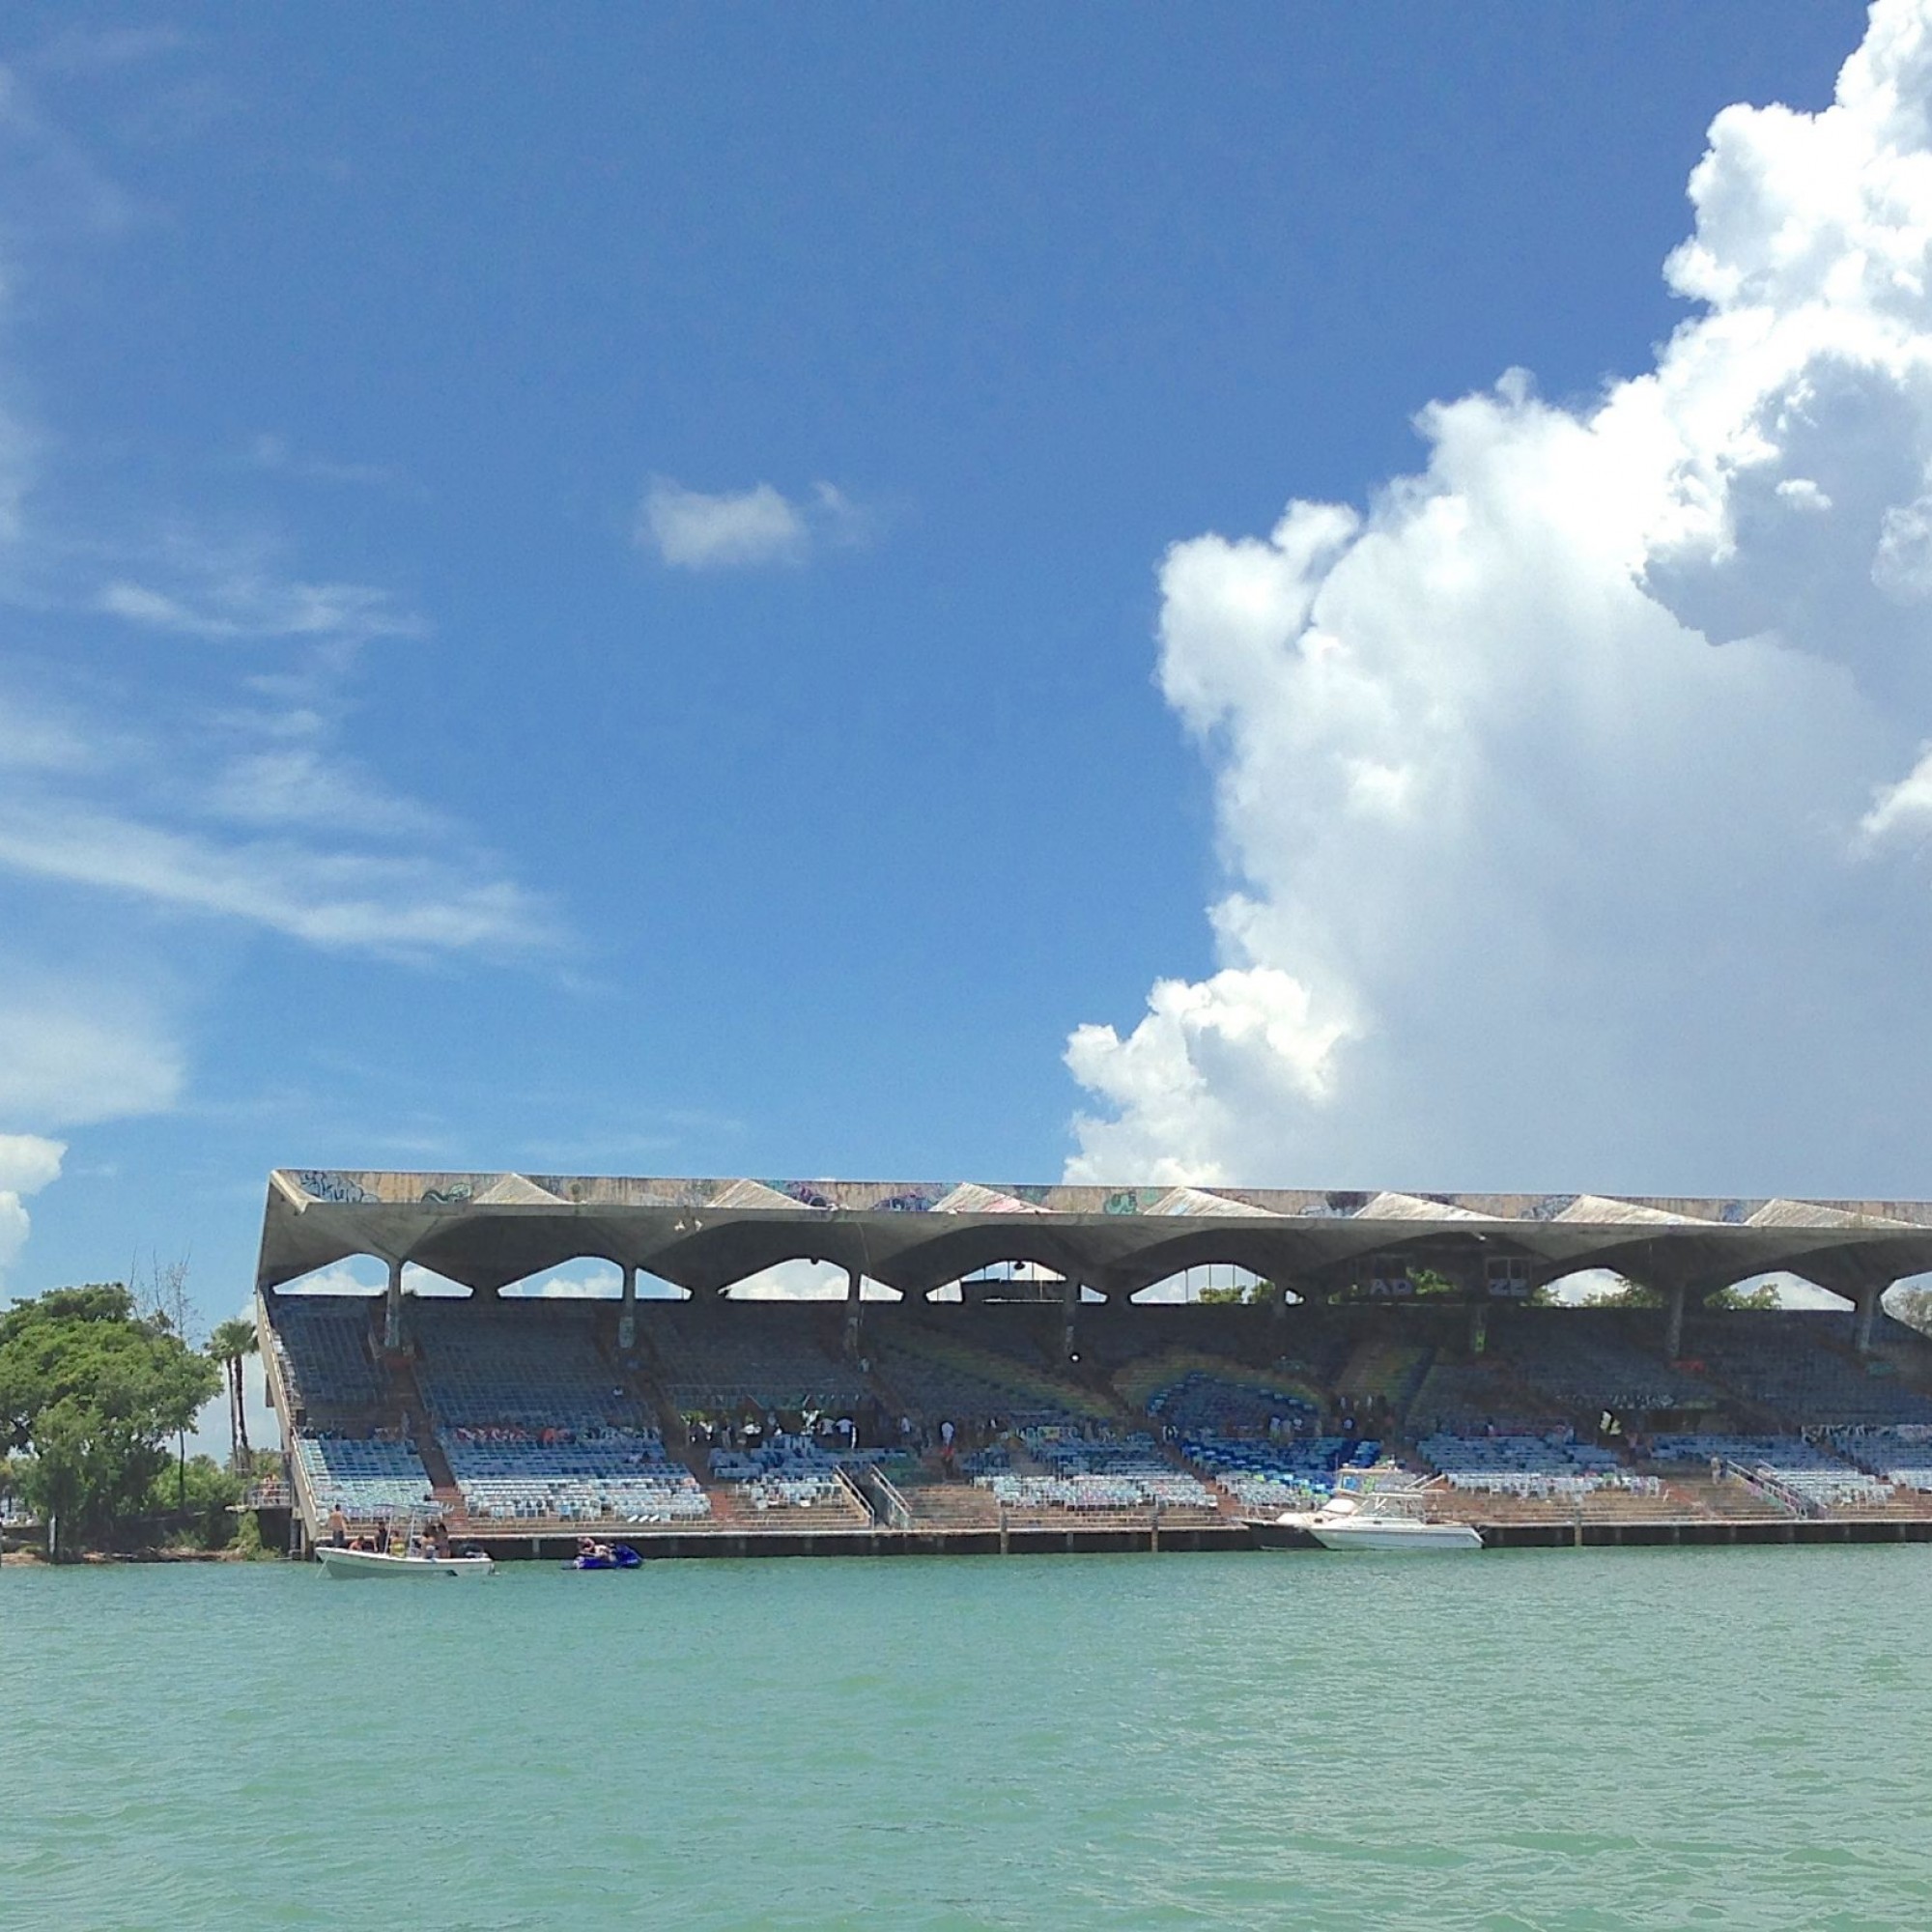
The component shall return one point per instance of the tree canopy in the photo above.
(89, 1389)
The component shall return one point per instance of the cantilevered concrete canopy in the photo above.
(488, 1230)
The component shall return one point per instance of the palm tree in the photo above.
(231, 1344)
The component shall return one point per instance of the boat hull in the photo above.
(1419, 1537)
(1280, 1536)
(348, 1565)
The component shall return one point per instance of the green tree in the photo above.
(1257, 1294)
(231, 1344)
(90, 1390)
(1912, 1306)
(1624, 1294)
(205, 1520)
(1763, 1296)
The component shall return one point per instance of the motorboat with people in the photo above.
(419, 1548)
(1389, 1514)
(595, 1555)
(342, 1562)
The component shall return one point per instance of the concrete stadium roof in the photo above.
(488, 1230)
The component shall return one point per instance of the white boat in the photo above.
(1395, 1516)
(344, 1563)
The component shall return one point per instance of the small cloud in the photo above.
(298, 785)
(1902, 811)
(841, 521)
(744, 530)
(273, 455)
(28, 1162)
(72, 1054)
(692, 531)
(241, 608)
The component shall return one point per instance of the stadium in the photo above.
(1007, 1369)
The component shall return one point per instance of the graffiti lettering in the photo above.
(321, 1186)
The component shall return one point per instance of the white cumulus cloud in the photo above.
(28, 1163)
(1561, 789)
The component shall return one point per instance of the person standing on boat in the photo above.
(338, 1527)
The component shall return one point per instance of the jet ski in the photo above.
(605, 1556)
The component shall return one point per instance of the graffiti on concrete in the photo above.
(913, 1202)
(322, 1186)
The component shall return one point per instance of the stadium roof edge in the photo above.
(487, 1230)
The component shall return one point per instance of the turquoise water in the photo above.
(1562, 1739)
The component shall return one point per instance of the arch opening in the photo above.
(1597, 1288)
(1210, 1283)
(426, 1285)
(805, 1281)
(355, 1275)
(583, 1278)
(1781, 1287)
(1910, 1301)
(1015, 1279)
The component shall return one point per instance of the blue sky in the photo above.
(590, 588)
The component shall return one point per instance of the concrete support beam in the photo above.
(1069, 1313)
(392, 1311)
(1861, 1328)
(853, 1306)
(1479, 1326)
(1673, 1324)
(627, 1316)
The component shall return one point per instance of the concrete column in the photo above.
(853, 1305)
(1479, 1326)
(1278, 1301)
(627, 1314)
(1861, 1328)
(1673, 1324)
(1069, 1313)
(392, 1310)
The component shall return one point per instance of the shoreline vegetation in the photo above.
(97, 1394)
(105, 1559)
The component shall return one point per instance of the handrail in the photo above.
(884, 1494)
(304, 1500)
(280, 1401)
(1761, 1484)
